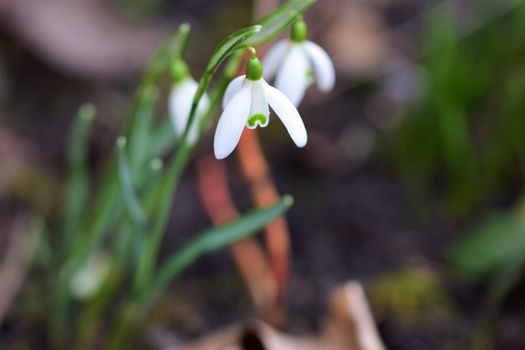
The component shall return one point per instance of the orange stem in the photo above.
(249, 258)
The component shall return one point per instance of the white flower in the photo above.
(89, 278)
(296, 63)
(180, 101)
(246, 103)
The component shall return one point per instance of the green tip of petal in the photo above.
(299, 31)
(254, 69)
(259, 118)
(310, 74)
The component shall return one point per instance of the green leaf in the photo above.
(140, 134)
(77, 189)
(274, 23)
(214, 239)
(107, 202)
(491, 247)
(160, 201)
(131, 202)
(172, 48)
(227, 47)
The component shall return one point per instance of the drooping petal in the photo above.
(180, 101)
(288, 114)
(294, 76)
(322, 65)
(259, 110)
(233, 88)
(274, 58)
(232, 121)
(202, 109)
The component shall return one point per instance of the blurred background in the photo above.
(411, 181)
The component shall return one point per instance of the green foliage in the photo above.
(215, 239)
(124, 218)
(493, 250)
(493, 245)
(275, 22)
(78, 185)
(467, 133)
(412, 294)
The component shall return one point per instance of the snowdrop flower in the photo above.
(180, 101)
(89, 278)
(246, 103)
(296, 63)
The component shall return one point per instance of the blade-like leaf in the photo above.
(160, 201)
(78, 183)
(274, 23)
(215, 239)
(131, 202)
(491, 246)
(139, 131)
(227, 47)
(107, 201)
(172, 48)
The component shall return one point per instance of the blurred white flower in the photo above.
(246, 103)
(296, 63)
(88, 279)
(181, 99)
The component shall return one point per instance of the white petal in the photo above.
(259, 106)
(202, 108)
(274, 58)
(180, 102)
(293, 77)
(288, 114)
(232, 121)
(323, 66)
(233, 88)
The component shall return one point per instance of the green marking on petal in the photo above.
(310, 74)
(258, 118)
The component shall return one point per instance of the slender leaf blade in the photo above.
(490, 246)
(275, 22)
(217, 238)
(161, 198)
(78, 183)
(131, 202)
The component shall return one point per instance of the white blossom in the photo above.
(247, 102)
(297, 63)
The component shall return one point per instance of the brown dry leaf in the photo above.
(13, 157)
(349, 326)
(82, 36)
(16, 262)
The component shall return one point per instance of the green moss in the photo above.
(413, 294)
